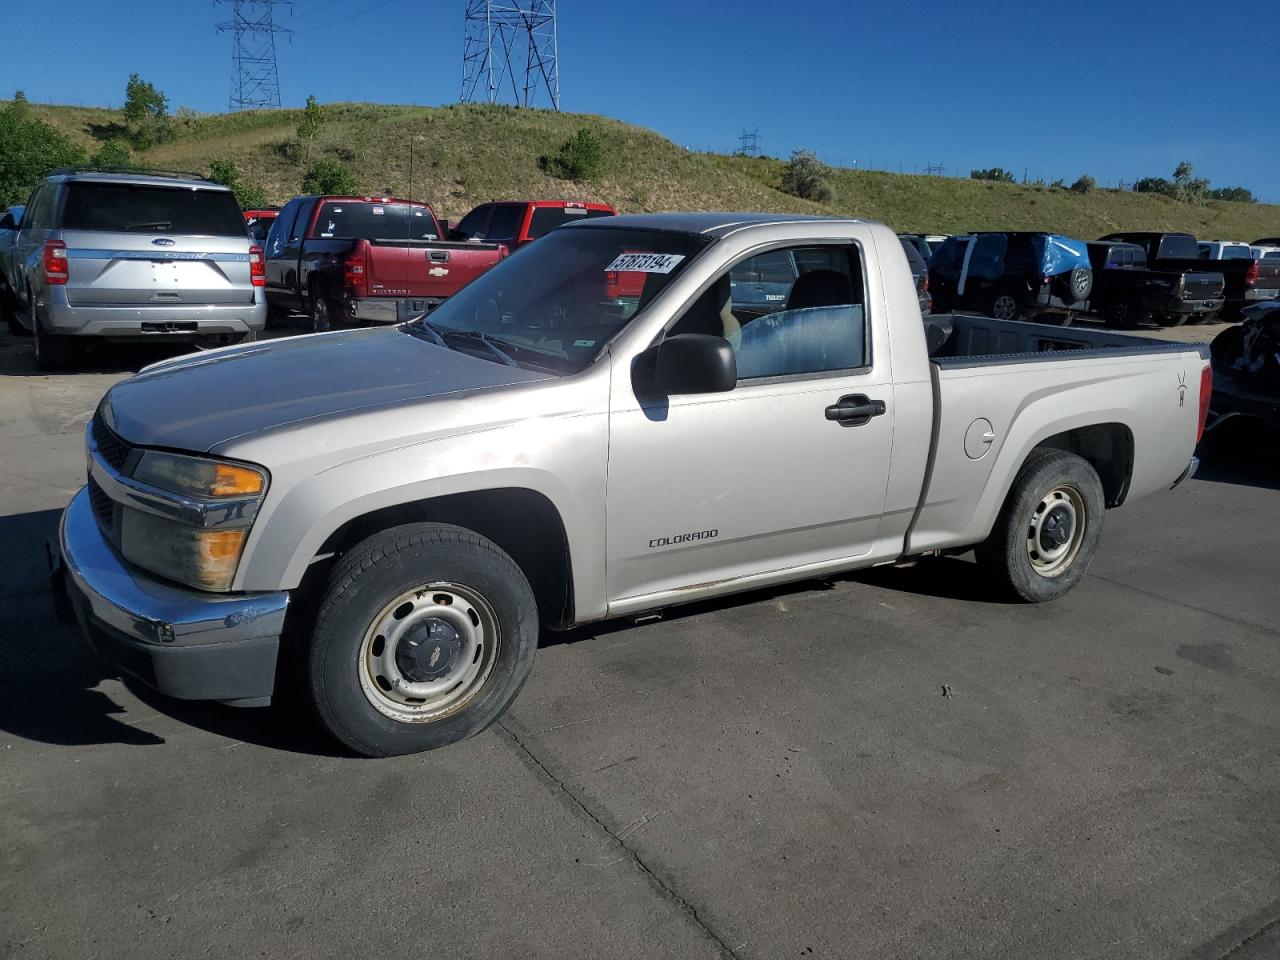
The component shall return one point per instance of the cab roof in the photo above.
(706, 224)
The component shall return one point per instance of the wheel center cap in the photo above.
(428, 650)
(1056, 529)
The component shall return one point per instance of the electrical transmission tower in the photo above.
(510, 46)
(255, 81)
(749, 143)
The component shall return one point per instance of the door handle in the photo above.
(438, 256)
(855, 410)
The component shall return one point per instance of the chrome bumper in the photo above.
(391, 309)
(1188, 473)
(187, 644)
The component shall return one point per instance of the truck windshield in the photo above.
(558, 302)
(362, 220)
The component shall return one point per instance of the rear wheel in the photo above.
(1005, 305)
(1173, 319)
(323, 313)
(1048, 529)
(1125, 315)
(424, 636)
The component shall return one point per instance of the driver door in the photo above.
(707, 489)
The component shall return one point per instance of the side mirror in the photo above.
(689, 363)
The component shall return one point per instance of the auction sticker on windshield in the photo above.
(644, 263)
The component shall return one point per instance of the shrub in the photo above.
(248, 195)
(581, 157)
(328, 177)
(1153, 185)
(146, 113)
(29, 149)
(997, 174)
(309, 126)
(112, 155)
(1086, 184)
(1236, 194)
(805, 176)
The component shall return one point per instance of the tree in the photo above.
(581, 157)
(29, 150)
(1188, 188)
(146, 113)
(309, 126)
(1235, 194)
(996, 174)
(112, 155)
(1153, 185)
(328, 177)
(249, 196)
(806, 176)
(1086, 184)
(21, 106)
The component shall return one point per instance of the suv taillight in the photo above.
(54, 261)
(1251, 275)
(355, 275)
(257, 267)
(1206, 394)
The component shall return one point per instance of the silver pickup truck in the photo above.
(387, 517)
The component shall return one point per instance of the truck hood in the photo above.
(199, 401)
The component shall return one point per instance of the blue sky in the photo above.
(1116, 89)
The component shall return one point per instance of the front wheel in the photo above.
(424, 636)
(1048, 529)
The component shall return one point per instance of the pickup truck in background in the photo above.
(354, 259)
(387, 517)
(515, 223)
(1245, 280)
(1126, 293)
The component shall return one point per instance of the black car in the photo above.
(919, 273)
(1011, 275)
(1126, 292)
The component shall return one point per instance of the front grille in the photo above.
(103, 507)
(112, 449)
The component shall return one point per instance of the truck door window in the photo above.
(303, 219)
(505, 222)
(816, 325)
(473, 225)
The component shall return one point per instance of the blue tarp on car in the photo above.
(1059, 255)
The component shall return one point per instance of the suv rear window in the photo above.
(132, 208)
(546, 219)
(361, 220)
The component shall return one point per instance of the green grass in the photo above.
(467, 154)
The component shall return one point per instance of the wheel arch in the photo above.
(1107, 447)
(523, 522)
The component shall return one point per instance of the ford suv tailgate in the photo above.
(142, 244)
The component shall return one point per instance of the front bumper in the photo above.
(391, 309)
(184, 643)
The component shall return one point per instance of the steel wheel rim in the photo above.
(428, 652)
(1056, 530)
(1004, 307)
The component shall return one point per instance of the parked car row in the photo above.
(1126, 278)
(129, 256)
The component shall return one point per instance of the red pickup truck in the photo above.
(353, 259)
(517, 222)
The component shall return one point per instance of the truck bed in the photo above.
(998, 385)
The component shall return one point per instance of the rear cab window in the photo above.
(143, 208)
(546, 219)
(364, 220)
(1178, 247)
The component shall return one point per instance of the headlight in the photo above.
(202, 557)
(187, 550)
(198, 477)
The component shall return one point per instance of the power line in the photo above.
(749, 143)
(510, 47)
(255, 77)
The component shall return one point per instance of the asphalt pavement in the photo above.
(889, 764)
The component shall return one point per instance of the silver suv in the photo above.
(124, 255)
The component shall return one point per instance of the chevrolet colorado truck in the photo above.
(387, 517)
(377, 259)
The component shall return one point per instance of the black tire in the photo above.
(418, 561)
(998, 305)
(53, 352)
(1030, 508)
(1172, 319)
(323, 312)
(1073, 287)
(1126, 315)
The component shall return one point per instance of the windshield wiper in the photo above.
(154, 225)
(441, 336)
(491, 344)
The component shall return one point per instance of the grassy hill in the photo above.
(465, 154)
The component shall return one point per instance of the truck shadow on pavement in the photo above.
(1242, 453)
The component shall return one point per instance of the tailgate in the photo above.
(442, 269)
(131, 270)
(1202, 286)
(1267, 286)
